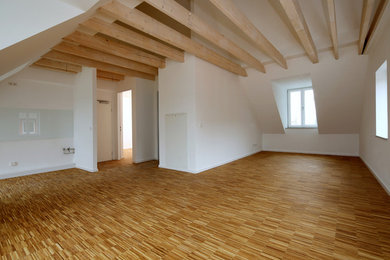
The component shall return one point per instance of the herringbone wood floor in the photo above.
(270, 205)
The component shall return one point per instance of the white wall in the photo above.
(84, 107)
(226, 127)
(51, 93)
(176, 85)
(309, 141)
(220, 125)
(144, 98)
(375, 151)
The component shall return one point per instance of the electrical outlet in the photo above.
(13, 164)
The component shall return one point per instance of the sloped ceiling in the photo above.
(35, 26)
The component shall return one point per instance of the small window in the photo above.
(381, 102)
(301, 108)
(29, 123)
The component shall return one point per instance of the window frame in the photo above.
(303, 108)
(387, 100)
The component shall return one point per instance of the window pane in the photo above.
(381, 101)
(310, 108)
(295, 108)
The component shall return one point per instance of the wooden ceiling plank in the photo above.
(331, 14)
(375, 22)
(64, 57)
(134, 38)
(58, 65)
(298, 22)
(143, 22)
(196, 24)
(109, 75)
(104, 57)
(230, 10)
(103, 44)
(368, 9)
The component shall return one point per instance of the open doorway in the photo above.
(127, 126)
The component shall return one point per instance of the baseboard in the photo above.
(86, 169)
(212, 166)
(381, 182)
(144, 160)
(37, 171)
(310, 152)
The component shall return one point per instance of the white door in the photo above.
(104, 131)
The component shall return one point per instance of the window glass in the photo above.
(295, 108)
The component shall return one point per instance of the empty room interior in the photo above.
(194, 129)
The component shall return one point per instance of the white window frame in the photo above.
(302, 90)
(386, 135)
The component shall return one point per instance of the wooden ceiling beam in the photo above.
(196, 24)
(368, 9)
(109, 75)
(331, 15)
(228, 8)
(134, 38)
(104, 57)
(145, 23)
(298, 22)
(57, 65)
(374, 24)
(116, 48)
(68, 58)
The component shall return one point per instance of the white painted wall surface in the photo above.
(36, 89)
(309, 141)
(144, 98)
(220, 125)
(226, 127)
(85, 137)
(375, 151)
(176, 85)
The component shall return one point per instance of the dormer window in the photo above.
(301, 108)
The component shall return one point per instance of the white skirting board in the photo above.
(36, 171)
(381, 182)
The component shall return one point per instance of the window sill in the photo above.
(382, 138)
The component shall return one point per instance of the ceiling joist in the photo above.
(374, 24)
(57, 65)
(235, 15)
(145, 23)
(104, 57)
(196, 24)
(298, 22)
(134, 38)
(368, 9)
(109, 75)
(331, 17)
(116, 48)
(68, 58)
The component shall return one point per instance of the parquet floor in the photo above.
(266, 206)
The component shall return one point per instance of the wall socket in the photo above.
(13, 164)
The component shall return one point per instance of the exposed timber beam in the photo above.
(196, 24)
(145, 23)
(375, 22)
(228, 8)
(113, 47)
(331, 15)
(298, 22)
(134, 38)
(57, 65)
(109, 75)
(64, 57)
(368, 9)
(104, 57)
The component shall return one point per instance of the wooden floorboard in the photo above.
(266, 206)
